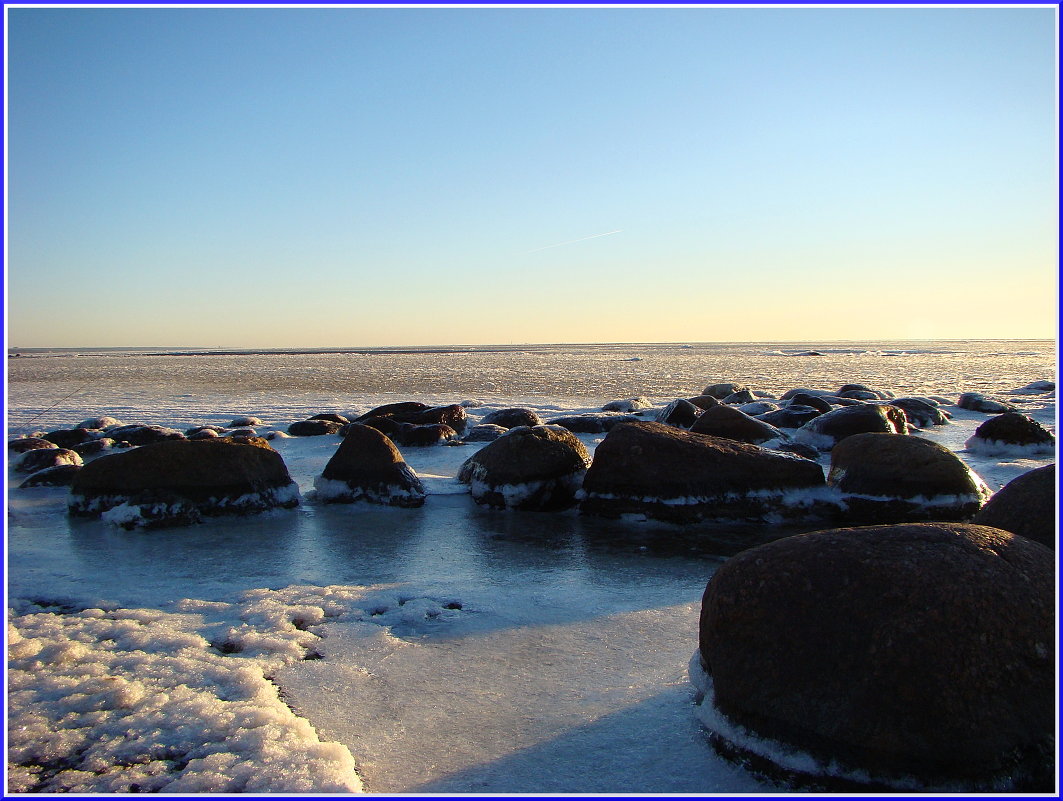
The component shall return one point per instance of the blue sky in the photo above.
(317, 177)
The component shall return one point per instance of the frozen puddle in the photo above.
(484, 709)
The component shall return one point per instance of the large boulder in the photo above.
(921, 413)
(100, 422)
(680, 412)
(1012, 433)
(368, 467)
(628, 405)
(314, 428)
(393, 409)
(453, 415)
(817, 402)
(1025, 505)
(732, 423)
(670, 474)
(825, 431)
(889, 479)
(419, 436)
(136, 434)
(485, 432)
(530, 468)
(512, 418)
(69, 437)
(917, 655)
(793, 416)
(182, 481)
(59, 476)
(592, 423)
(704, 401)
(721, 391)
(24, 444)
(977, 402)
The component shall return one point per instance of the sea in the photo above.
(449, 649)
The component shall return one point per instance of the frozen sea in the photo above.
(446, 649)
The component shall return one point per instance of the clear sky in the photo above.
(398, 176)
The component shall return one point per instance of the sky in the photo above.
(289, 177)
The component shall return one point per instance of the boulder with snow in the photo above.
(889, 479)
(732, 423)
(368, 467)
(1026, 506)
(393, 410)
(314, 428)
(670, 474)
(182, 481)
(680, 412)
(591, 423)
(331, 417)
(722, 390)
(59, 476)
(484, 432)
(529, 468)
(100, 422)
(921, 413)
(244, 421)
(40, 458)
(977, 402)
(24, 444)
(628, 405)
(511, 418)
(1034, 388)
(69, 437)
(908, 656)
(98, 447)
(739, 397)
(793, 416)
(827, 430)
(136, 434)
(1012, 433)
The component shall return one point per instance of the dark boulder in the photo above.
(670, 474)
(1026, 506)
(208, 430)
(59, 476)
(40, 458)
(511, 418)
(817, 402)
(704, 401)
(591, 423)
(393, 409)
(136, 434)
(182, 481)
(98, 447)
(889, 479)
(314, 428)
(453, 415)
(825, 431)
(331, 416)
(680, 412)
(977, 402)
(918, 652)
(756, 408)
(368, 467)
(731, 423)
(721, 391)
(485, 432)
(791, 393)
(529, 468)
(739, 397)
(422, 436)
(29, 444)
(792, 416)
(384, 425)
(921, 413)
(69, 437)
(1009, 432)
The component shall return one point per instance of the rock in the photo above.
(721, 391)
(1025, 506)
(68, 438)
(368, 467)
(793, 416)
(512, 418)
(530, 468)
(29, 444)
(592, 423)
(669, 474)
(755, 408)
(392, 409)
(136, 434)
(332, 417)
(629, 405)
(1035, 388)
(59, 476)
(182, 481)
(384, 425)
(485, 432)
(196, 431)
(889, 479)
(314, 428)
(97, 447)
(704, 401)
(100, 422)
(41, 458)
(453, 415)
(920, 413)
(681, 413)
(741, 396)
(825, 431)
(422, 436)
(1012, 433)
(796, 448)
(817, 402)
(924, 650)
(977, 402)
(241, 432)
(862, 392)
(816, 393)
(731, 423)
(245, 422)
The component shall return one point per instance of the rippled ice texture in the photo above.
(462, 649)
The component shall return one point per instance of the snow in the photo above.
(326, 648)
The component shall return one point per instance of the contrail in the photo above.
(569, 242)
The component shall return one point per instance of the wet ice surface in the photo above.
(493, 651)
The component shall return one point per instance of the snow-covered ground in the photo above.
(444, 649)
